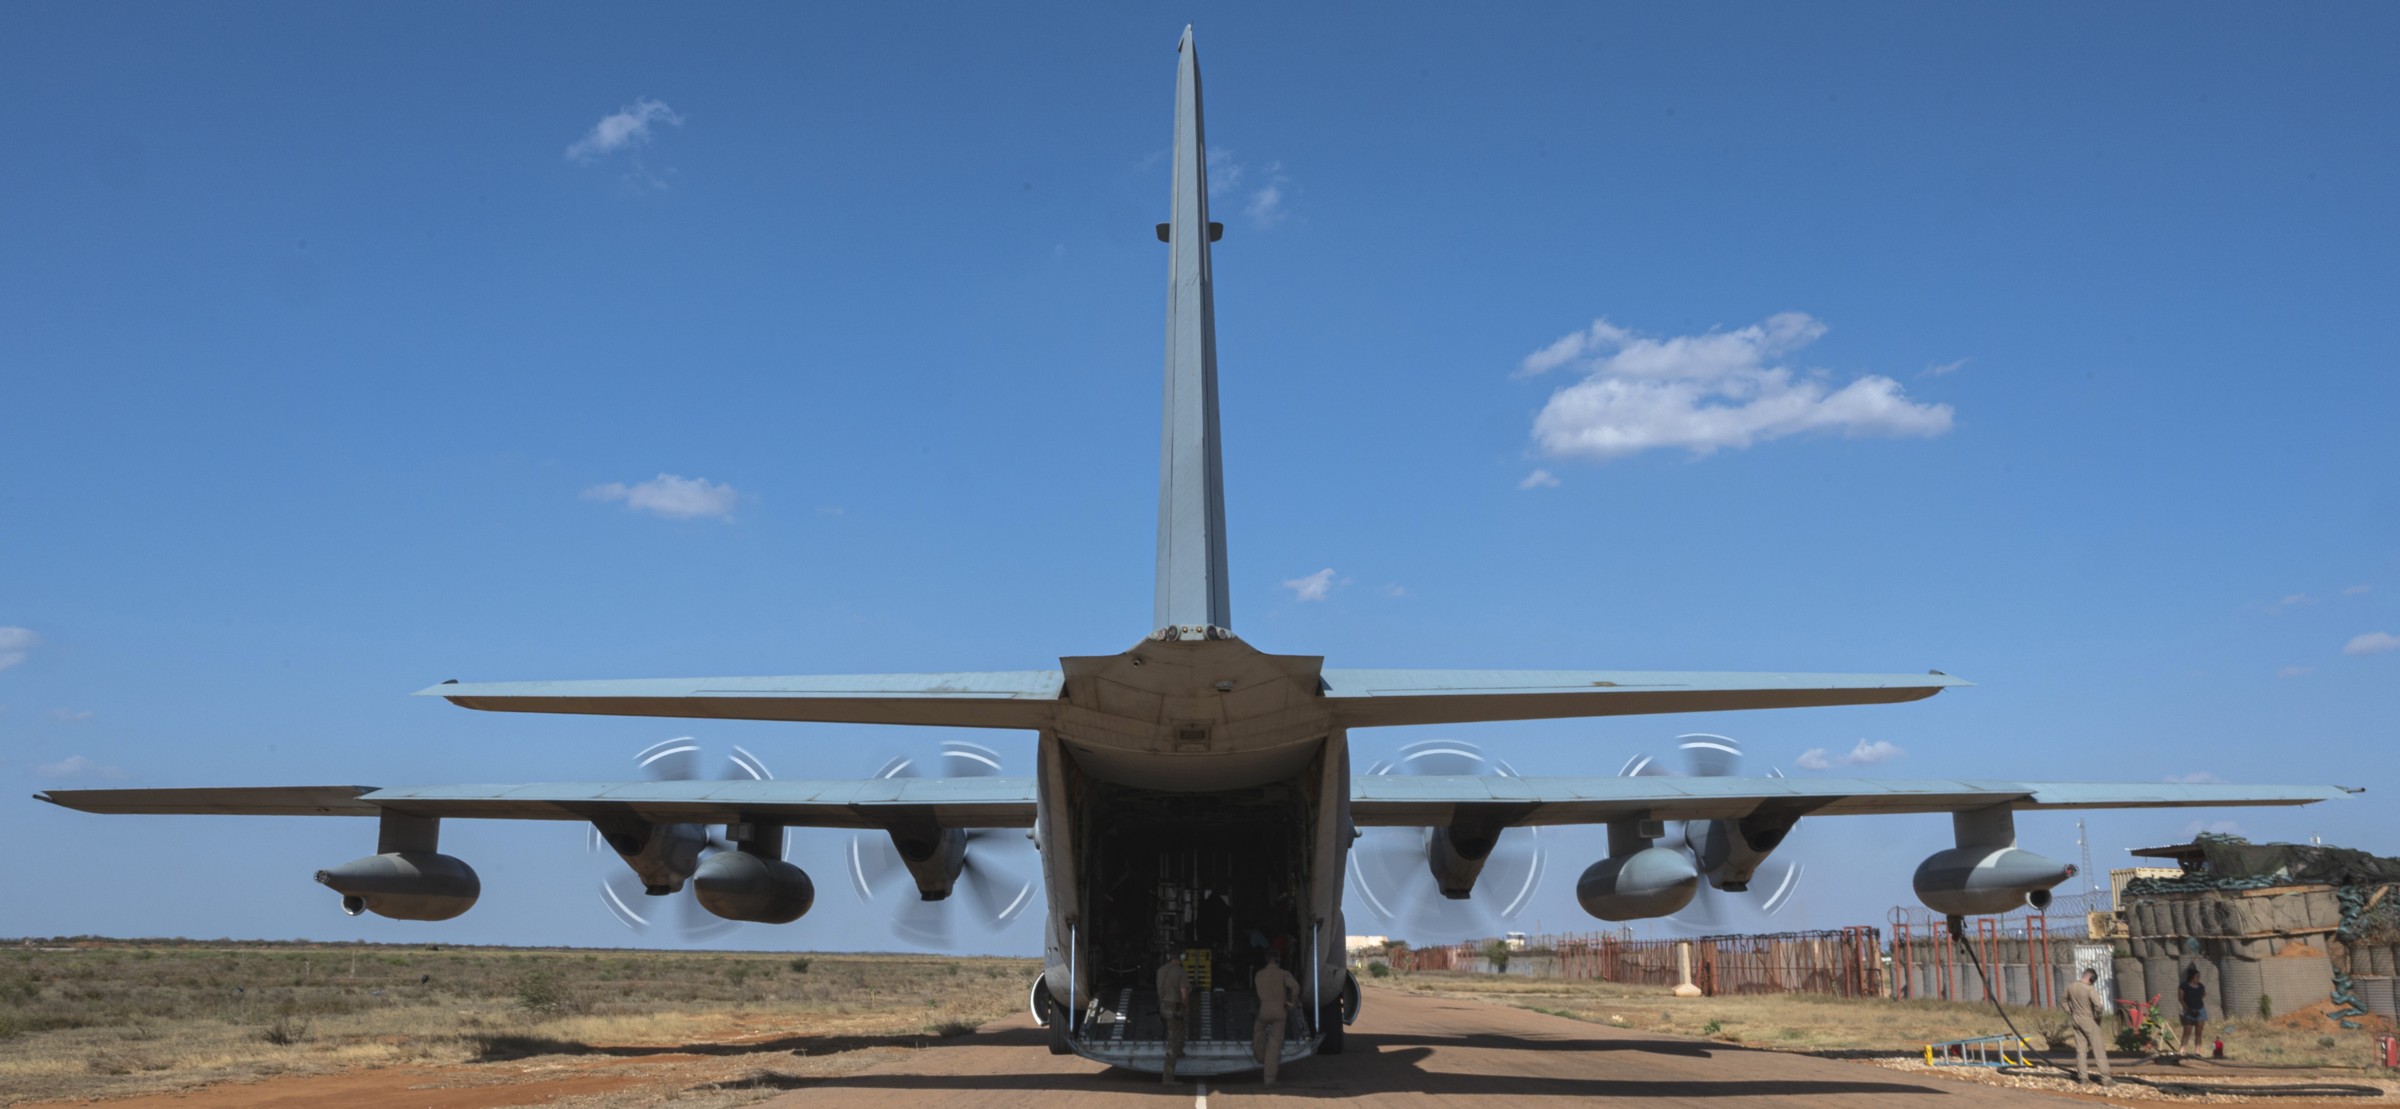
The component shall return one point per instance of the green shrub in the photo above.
(800, 964)
(1712, 1028)
(1379, 969)
(540, 992)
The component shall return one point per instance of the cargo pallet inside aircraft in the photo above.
(1192, 794)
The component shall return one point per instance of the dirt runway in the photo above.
(1416, 1052)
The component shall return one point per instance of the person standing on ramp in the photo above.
(2085, 1013)
(1278, 991)
(1174, 999)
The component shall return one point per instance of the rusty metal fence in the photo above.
(1845, 962)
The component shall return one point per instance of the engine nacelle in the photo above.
(1981, 880)
(405, 885)
(663, 856)
(1651, 882)
(737, 885)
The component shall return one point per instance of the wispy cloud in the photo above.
(71, 716)
(1943, 370)
(2195, 778)
(619, 130)
(2358, 591)
(16, 644)
(1865, 753)
(2372, 643)
(1539, 479)
(77, 766)
(2288, 601)
(2295, 671)
(672, 496)
(1314, 587)
(1264, 196)
(1703, 393)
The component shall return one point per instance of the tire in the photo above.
(1329, 1028)
(1058, 1034)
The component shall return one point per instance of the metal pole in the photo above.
(1316, 974)
(1074, 995)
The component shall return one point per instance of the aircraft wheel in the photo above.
(1329, 1025)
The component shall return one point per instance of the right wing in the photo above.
(1399, 800)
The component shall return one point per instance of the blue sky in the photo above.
(344, 350)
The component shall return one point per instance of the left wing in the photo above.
(1397, 800)
(876, 803)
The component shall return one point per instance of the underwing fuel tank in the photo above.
(1977, 881)
(1652, 882)
(741, 886)
(405, 885)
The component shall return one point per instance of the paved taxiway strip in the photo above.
(1418, 1053)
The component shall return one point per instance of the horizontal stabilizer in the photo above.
(1384, 698)
(1000, 699)
(1398, 800)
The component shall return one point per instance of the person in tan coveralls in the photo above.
(2086, 1012)
(1277, 992)
(1174, 1000)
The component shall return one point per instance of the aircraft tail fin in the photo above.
(1191, 480)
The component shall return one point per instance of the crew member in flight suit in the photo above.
(1278, 991)
(1174, 1000)
(2085, 1014)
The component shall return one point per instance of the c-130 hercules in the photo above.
(1190, 761)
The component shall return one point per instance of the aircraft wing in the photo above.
(1000, 699)
(1383, 698)
(839, 803)
(1398, 800)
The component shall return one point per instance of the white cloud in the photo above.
(1865, 753)
(2289, 600)
(1313, 587)
(1539, 479)
(1706, 392)
(15, 644)
(2295, 671)
(1395, 590)
(616, 131)
(2372, 643)
(77, 766)
(2358, 591)
(2195, 778)
(1943, 370)
(71, 716)
(672, 496)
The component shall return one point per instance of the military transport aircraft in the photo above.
(1192, 794)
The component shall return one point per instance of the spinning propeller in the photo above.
(1714, 909)
(1393, 868)
(990, 867)
(675, 849)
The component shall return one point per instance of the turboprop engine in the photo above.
(1638, 879)
(405, 885)
(738, 885)
(1987, 872)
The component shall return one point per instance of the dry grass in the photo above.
(1851, 1027)
(96, 1018)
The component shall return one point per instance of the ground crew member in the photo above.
(1278, 991)
(2085, 1014)
(1174, 999)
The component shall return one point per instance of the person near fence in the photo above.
(2192, 998)
(2086, 1015)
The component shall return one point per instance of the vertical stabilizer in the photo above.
(1191, 479)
